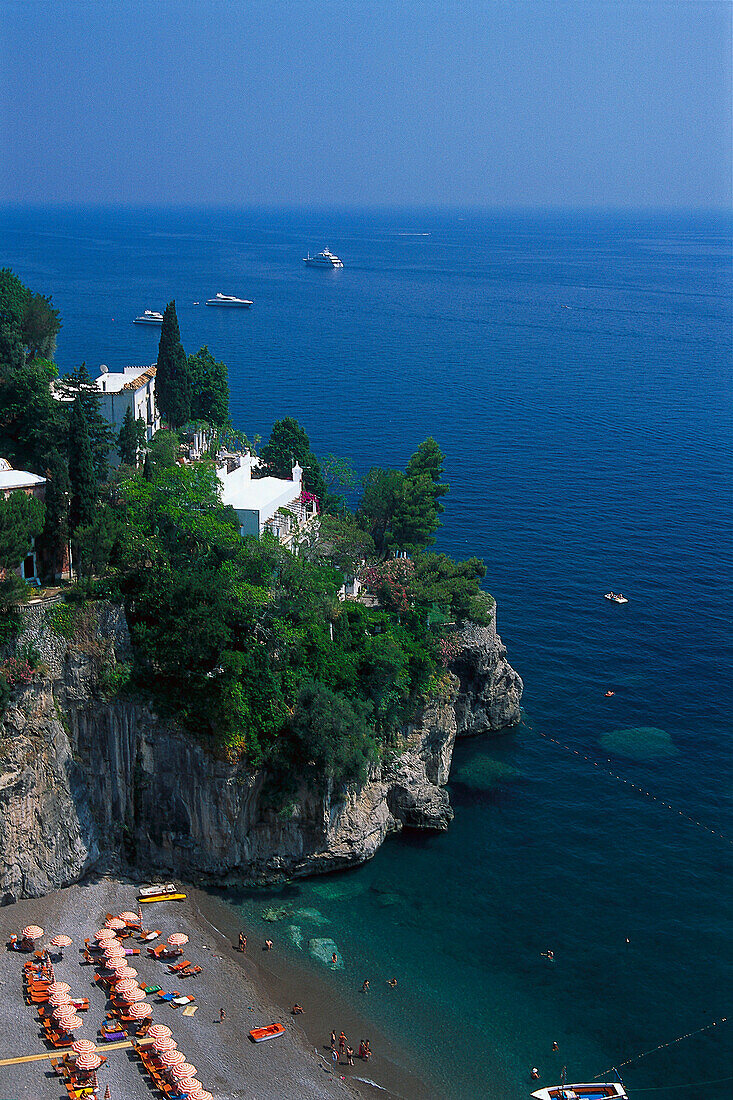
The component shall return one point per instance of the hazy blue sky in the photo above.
(366, 102)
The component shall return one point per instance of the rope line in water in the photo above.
(662, 1046)
(691, 1085)
(634, 786)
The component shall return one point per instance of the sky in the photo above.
(366, 103)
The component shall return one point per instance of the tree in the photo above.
(40, 327)
(172, 382)
(28, 322)
(209, 388)
(340, 541)
(287, 445)
(163, 450)
(329, 736)
(428, 459)
(131, 438)
(55, 538)
(21, 520)
(94, 542)
(31, 420)
(381, 493)
(101, 436)
(415, 519)
(81, 469)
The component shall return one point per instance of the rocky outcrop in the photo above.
(91, 782)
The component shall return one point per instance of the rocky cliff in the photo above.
(89, 781)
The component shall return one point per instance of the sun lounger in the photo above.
(190, 971)
(148, 989)
(148, 934)
(179, 966)
(111, 1031)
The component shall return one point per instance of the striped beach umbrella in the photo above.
(57, 999)
(172, 1058)
(139, 1010)
(71, 1023)
(115, 923)
(189, 1086)
(131, 996)
(162, 1046)
(117, 966)
(114, 952)
(61, 941)
(160, 1031)
(125, 971)
(59, 987)
(88, 1061)
(83, 1046)
(129, 917)
(177, 939)
(183, 1069)
(104, 934)
(62, 1010)
(204, 1095)
(32, 932)
(125, 985)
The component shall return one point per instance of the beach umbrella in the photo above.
(162, 1046)
(189, 1086)
(126, 972)
(63, 1010)
(129, 916)
(57, 999)
(88, 1061)
(204, 1095)
(83, 1046)
(114, 953)
(139, 1010)
(113, 947)
(160, 1031)
(181, 1070)
(61, 941)
(70, 1023)
(132, 996)
(171, 1058)
(117, 964)
(115, 923)
(59, 987)
(32, 932)
(105, 934)
(126, 985)
(177, 939)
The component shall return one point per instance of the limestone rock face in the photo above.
(490, 690)
(90, 783)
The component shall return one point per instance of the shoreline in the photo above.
(294, 1066)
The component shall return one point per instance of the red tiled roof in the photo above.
(141, 380)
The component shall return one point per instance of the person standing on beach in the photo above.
(342, 1043)
(334, 1059)
(349, 1056)
(242, 942)
(222, 1015)
(333, 1040)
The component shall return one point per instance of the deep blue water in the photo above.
(577, 372)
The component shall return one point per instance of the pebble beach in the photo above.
(228, 1064)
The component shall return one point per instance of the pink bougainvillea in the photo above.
(390, 581)
(448, 648)
(16, 671)
(310, 498)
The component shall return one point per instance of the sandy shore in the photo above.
(228, 1064)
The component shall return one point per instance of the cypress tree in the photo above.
(172, 382)
(56, 528)
(81, 469)
(130, 439)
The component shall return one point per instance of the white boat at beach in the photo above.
(228, 301)
(323, 259)
(156, 888)
(615, 597)
(149, 317)
(609, 1090)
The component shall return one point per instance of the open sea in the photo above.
(576, 370)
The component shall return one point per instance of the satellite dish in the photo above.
(103, 368)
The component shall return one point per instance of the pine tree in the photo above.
(55, 538)
(147, 468)
(130, 439)
(428, 459)
(101, 436)
(81, 469)
(415, 520)
(172, 381)
(209, 388)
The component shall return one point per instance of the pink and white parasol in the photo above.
(61, 941)
(177, 939)
(160, 1031)
(181, 1070)
(139, 1011)
(125, 972)
(163, 1046)
(190, 1086)
(104, 934)
(83, 1046)
(58, 999)
(132, 996)
(126, 984)
(88, 1061)
(115, 923)
(70, 1023)
(59, 987)
(129, 916)
(32, 932)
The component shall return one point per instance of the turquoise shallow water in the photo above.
(577, 372)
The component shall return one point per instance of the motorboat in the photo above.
(323, 259)
(615, 597)
(609, 1090)
(149, 317)
(260, 1034)
(228, 301)
(157, 888)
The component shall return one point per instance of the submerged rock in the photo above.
(483, 773)
(295, 936)
(640, 743)
(312, 916)
(324, 950)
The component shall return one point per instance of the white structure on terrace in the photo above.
(32, 485)
(266, 502)
(133, 388)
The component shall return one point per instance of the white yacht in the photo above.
(228, 301)
(323, 259)
(149, 317)
(616, 597)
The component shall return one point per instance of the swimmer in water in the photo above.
(392, 982)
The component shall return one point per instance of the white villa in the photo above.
(266, 503)
(32, 485)
(133, 388)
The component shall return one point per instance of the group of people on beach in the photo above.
(340, 1049)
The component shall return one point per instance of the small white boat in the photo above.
(615, 597)
(149, 317)
(157, 888)
(228, 301)
(609, 1090)
(323, 259)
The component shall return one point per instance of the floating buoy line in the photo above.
(662, 1046)
(634, 786)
